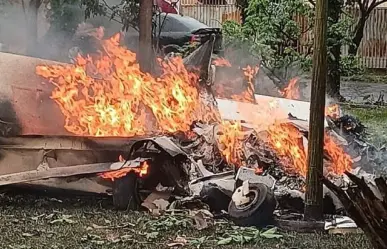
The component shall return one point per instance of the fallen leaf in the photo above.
(179, 241)
(224, 241)
(37, 217)
(152, 235)
(27, 234)
(98, 226)
(126, 237)
(65, 218)
(271, 234)
(50, 216)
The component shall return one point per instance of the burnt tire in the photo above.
(125, 192)
(259, 212)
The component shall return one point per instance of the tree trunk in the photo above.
(145, 40)
(32, 26)
(314, 188)
(359, 31)
(242, 6)
(333, 83)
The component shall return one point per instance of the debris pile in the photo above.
(194, 150)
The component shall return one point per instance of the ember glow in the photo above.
(108, 95)
(140, 171)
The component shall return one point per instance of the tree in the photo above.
(125, 12)
(365, 9)
(338, 36)
(272, 33)
(130, 13)
(314, 187)
(242, 5)
(145, 30)
(31, 9)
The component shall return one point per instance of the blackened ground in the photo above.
(44, 221)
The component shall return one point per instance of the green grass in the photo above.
(368, 78)
(374, 119)
(30, 221)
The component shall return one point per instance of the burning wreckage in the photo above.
(101, 125)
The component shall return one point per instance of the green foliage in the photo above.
(246, 235)
(350, 66)
(271, 33)
(65, 15)
(126, 12)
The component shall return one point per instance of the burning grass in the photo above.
(30, 221)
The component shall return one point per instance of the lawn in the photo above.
(44, 221)
(375, 120)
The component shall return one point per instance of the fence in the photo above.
(213, 13)
(372, 50)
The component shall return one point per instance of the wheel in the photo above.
(259, 211)
(125, 192)
(215, 198)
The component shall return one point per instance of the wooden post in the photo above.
(314, 187)
(145, 37)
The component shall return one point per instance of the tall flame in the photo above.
(291, 91)
(110, 96)
(229, 138)
(288, 143)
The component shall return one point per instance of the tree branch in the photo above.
(312, 3)
(373, 5)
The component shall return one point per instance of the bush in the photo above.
(350, 66)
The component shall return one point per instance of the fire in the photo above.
(291, 91)
(332, 111)
(341, 161)
(288, 143)
(248, 95)
(231, 133)
(140, 171)
(229, 139)
(108, 95)
(221, 62)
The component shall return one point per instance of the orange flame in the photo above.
(110, 96)
(291, 91)
(332, 111)
(341, 161)
(229, 139)
(287, 141)
(221, 62)
(140, 171)
(248, 95)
